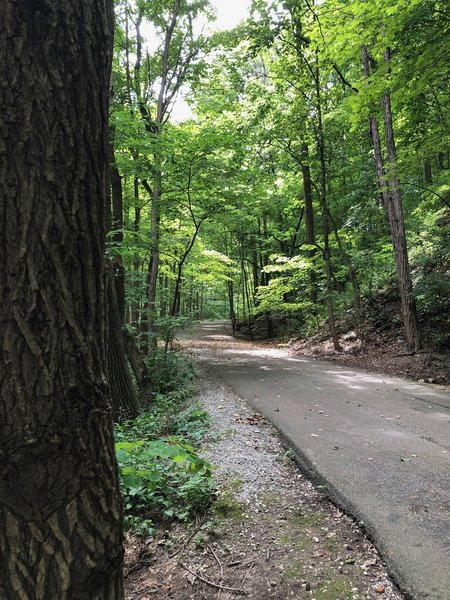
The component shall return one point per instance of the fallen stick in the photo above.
(186, 541)
(217, 561)
(211, 583)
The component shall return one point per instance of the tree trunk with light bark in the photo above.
(397, 224)
(391, 196)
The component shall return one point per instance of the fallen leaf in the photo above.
(370, 563)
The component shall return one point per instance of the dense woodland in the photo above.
(311, 180)
(308, 190)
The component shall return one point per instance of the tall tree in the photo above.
(390, 191)
(60, 531)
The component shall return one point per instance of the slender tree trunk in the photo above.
(61, 525)
(390, 190)
(247, 298)
(325, 217)
(428, 174)
(309, 218)
(125, 403)
(356, 292)
(139, 368)
(117, 237)
(230, 290)
(395, 214)
(156, 197)
(137, 284)
(154, 259)
(255, 272)
(376, 141)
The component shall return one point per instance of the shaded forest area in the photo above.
(307, 192)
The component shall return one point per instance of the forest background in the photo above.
(308, 188)
(308, 192)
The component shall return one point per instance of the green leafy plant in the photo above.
(171, 373)
(161, 480)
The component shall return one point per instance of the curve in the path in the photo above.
(381, 444)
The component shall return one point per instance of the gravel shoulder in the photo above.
(270, 534)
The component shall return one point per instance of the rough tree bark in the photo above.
(309, 218)
(125, 404)
(61, 525)
(397, 223)
(391, 195)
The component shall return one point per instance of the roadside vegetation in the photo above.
(163, 479)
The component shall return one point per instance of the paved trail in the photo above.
(382, 445)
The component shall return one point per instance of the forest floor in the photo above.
(384, 353)
(269, 535)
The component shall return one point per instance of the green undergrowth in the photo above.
(162, 476)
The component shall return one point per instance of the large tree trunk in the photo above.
(125, 404)
(61, 525)
(117, 236)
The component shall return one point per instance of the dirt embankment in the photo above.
(386, 354)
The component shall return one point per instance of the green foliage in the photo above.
(237, 167)
(162, 480)
(172, 374)
(162, 476)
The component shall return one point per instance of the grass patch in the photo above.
(301, 518)
(227, 506)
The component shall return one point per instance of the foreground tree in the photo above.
(60, 530)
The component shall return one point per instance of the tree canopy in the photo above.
(312, 176)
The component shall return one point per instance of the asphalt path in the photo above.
(380, 445)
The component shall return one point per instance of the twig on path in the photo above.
(247, 573)
(217, 561)
(218, 586)
(186, 541)
(138, 565)
(219, 594)
(144, 590)
(249, 570)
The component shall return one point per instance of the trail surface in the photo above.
(381, 445)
